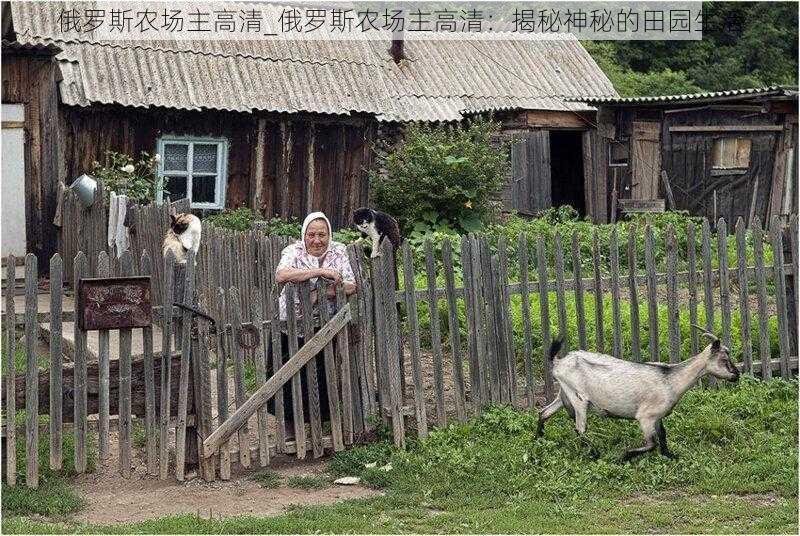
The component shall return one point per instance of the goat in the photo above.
(646, 392)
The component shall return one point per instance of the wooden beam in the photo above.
(311, 168)
(727, 128)
(642, 205)
(257, 179)
(268, 390)
(554, 119)
(668, 189)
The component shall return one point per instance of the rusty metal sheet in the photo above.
(114, 303)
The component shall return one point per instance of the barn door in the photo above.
(646, 161)
(529, 190)
(13, 189)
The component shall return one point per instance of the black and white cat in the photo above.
(377, 226)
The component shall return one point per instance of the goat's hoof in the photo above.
(670, 455)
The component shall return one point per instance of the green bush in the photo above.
(239, 219)
(138, 179)
(440, 175)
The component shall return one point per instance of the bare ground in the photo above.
(114, 499)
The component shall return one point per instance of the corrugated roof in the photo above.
(769, 91)
(441, 81)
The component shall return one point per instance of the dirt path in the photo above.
(114, 499)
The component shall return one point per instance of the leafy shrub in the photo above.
(442, 176)
(138, 179)
(239, 219)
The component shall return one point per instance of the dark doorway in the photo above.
(566, 163)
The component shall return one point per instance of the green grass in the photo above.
(308, 482)
(54, 497)
(267, 478)
(737, 473)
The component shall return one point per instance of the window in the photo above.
(731, 154)
(618, 153)
(195, 168)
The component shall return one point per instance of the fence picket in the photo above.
(454, 330)
(310, 370)
(469, 307)
(240, 395)
(724, 292)
(744, 302)
(617, 331)
(297, 393)
(125, 424)
(673, 324)
(578, 278)
(32, 380)
(761, 286)
(633, 290)
(481, 328)
(794, 303)
(598, 295)
(223, 351)
(341, 411)
(522, 251)
(544, 314)
(504, 382)
(259, 361)
(690, 254)
(273, 314)
(103, 270)
(145, 268)
(708, 295)
(560, 299)
(652, 300)
(413, 333)
(10, 351)
(167, 297)
(56, 360)
(490, 314)
(776, 239)
(436, 338)
(79, 271)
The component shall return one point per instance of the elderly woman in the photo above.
(314, 255)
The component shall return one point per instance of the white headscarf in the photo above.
(311, 217)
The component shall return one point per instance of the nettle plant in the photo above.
(138, 179)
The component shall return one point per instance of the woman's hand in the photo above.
(331, 274)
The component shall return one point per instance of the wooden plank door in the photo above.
(529, 190)
(646, 160)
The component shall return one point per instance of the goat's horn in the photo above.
(706, 333)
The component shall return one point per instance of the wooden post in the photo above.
(776, 239)
(544, 312)
(167, 298)
(724, 292)
(744, 302)
(652, 303)
(187, 276)
(522, 251)
(576, 273)
(673, 326)
(235, 314)
(615, 301)
(311, 372)
(149, 383)
(690, 254)
(436, 338)
(761, 285)
(598, 294)
(455, 330)
(79, 271)
(32, 380)
(633, 291)
(56, 357)
(413, 328)
(103, 270)
(125, 423)
(10, 350)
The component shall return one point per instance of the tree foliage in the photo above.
(745, 44)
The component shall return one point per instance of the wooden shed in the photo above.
(725, 154)
(283, 128)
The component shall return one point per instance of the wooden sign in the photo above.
(114, 303)
(642, 205)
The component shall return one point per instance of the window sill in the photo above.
(732, 171)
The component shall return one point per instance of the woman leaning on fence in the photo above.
(314, 255)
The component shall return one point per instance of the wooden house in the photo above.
(725, 154)
(283, 128)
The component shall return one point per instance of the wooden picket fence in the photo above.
(493, 360)
(86, 229)
(172, 395)
(375, 352)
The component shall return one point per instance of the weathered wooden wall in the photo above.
(686, 157)
(31, 80)
(298, 164)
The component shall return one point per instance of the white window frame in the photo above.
(221, 173)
